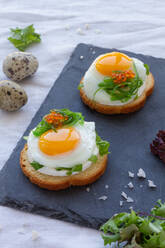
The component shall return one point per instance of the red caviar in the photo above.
(120, 77)
(56, 119)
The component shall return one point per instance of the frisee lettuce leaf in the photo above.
(139, 230)
(93, 159)
(73, 118)
(102, 145)
(22, 38)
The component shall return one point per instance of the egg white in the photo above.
(92, 78)
(85, 149)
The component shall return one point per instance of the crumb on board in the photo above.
(103, 197)
(67, 27)
(80, 31)
(87, 189)
(35, 235)
(87, 26)
(98, 31)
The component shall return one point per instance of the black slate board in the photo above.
(129, 136)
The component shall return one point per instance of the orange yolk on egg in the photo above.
(111, 62)
(55, 143)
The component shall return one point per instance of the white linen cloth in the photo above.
(138, 26)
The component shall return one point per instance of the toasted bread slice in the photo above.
(123, 109)
(85, 177)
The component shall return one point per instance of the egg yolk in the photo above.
(111, 62)
(55, 143)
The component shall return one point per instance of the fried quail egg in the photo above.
(102, 67)
(66, 147)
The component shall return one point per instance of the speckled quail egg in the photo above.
(19, 65)
(12, 96)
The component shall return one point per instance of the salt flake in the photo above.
(130, 185)
(141, 173)
(129, 199)
(151, 184)
(124, 195)
(130, 174)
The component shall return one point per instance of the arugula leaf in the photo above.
(102, 145)
(93, 159)
(137, 231)
(41, 128)
(36, 165)
(22, 38)
(147, 69)
(76, 168)
(80, 86)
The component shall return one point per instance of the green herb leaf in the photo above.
(121, 91)
(36, 165)
(102, 145)
(80, 86)
(76, 168)
(93, 159)
(73, 117)
(25, 137)
(42, 127)
(22, 38)
(147, 69)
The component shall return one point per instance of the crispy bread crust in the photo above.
(62, 182)
(124, 109)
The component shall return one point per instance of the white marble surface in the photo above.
(138, 26)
